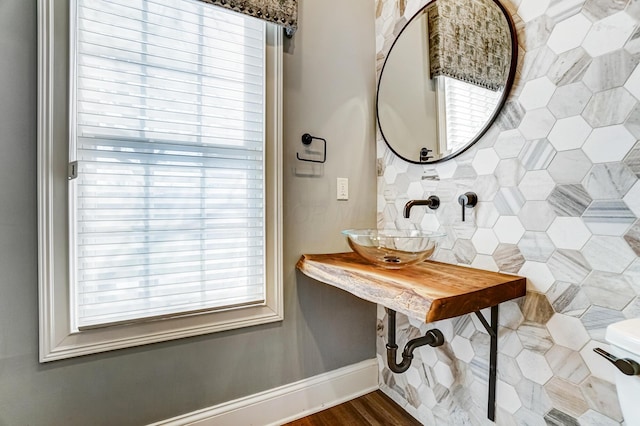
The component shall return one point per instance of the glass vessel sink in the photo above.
(393, 249)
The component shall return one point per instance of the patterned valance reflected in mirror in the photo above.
(281, 12)
(469, 40)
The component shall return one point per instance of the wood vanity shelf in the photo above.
(430, 291)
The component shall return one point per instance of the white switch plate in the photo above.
(343, 189)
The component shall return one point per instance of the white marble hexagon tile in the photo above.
(557, 177)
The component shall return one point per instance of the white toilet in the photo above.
(624, 338)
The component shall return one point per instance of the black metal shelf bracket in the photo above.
(492, 329)
(435, 338)
(306, 140)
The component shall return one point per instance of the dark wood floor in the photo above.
(375, 409)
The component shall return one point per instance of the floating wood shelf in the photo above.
(428, 291)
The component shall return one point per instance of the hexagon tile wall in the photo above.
(557, 178)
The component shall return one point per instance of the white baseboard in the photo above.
(289, 402)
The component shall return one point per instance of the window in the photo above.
(465, 108)
(171, 223)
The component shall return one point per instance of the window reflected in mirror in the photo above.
(466, 109)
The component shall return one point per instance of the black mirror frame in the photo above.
(503, 99)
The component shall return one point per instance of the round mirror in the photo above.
(446, 77)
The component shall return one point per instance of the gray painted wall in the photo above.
(329, 87)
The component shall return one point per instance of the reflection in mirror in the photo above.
(445, 78)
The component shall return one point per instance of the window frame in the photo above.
(57, 339)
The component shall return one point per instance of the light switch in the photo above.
(343, 189)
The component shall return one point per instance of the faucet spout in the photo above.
(433, 202)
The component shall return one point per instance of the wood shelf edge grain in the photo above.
(429, 291)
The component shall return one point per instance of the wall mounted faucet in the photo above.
(432, 202)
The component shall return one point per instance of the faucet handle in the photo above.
(468, 199)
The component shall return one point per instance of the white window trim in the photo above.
(57, 340)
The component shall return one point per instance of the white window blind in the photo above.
(467, 108)
(169, 202)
